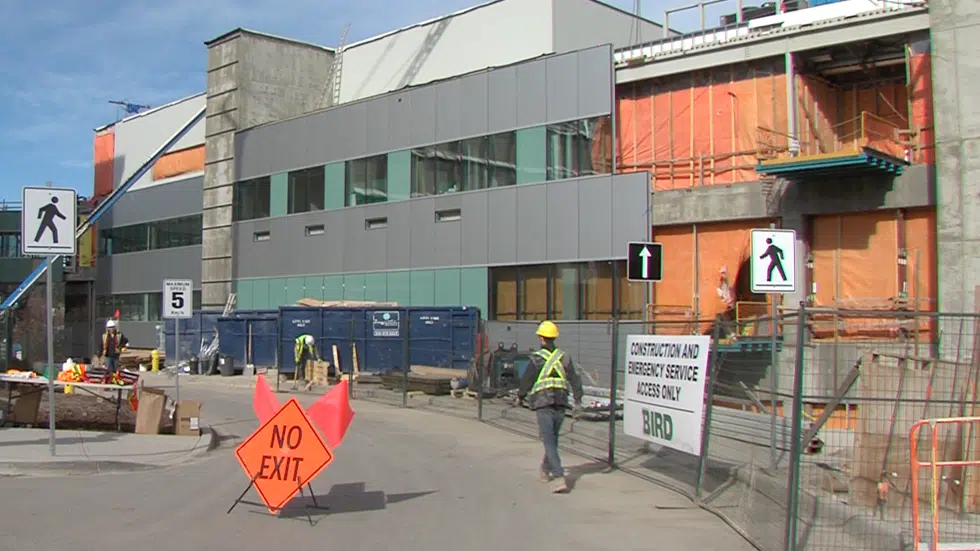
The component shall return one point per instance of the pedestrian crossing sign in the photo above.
(773, 261)
(48, 221)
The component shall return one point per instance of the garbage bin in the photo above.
(226, 365)
(195, 365)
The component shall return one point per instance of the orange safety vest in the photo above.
(105, 341)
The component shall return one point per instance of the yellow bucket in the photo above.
(69, 389)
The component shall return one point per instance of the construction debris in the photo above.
(314, 303)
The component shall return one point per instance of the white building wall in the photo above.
(493, 34)
(139, 136)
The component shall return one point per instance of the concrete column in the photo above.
(217, 251)
(954, 24)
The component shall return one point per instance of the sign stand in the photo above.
(177, 306)
(315, 506)
(773, 265)
(47, 228)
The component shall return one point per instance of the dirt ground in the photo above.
(83, 411)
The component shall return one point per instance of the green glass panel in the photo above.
(243, 288)
(313, 287)
(399, 175)
(333, 287)
(333, 186)
(260, 294)
(295, 290)
(277, 292)
(279, 194)
(399, 288)
(423, 287)
(532, 155)
(446, 291)
(474, 285)
(353, 286)
(376, 287)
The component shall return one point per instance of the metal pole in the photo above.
(795, 445)
(177, 360)
(773, 378)
(49, 324)
(406, 358)
(350, 378)
(794, 146)
(714, 361)
(613, 383)
(479, 368)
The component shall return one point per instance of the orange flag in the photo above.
(332, 414)
(264, 401)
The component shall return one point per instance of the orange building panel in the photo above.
(104, 158)
(175, 163)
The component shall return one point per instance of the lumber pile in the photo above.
(131, 358)
(434, 381)
(314, 303)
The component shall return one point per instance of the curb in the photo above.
(207, 443)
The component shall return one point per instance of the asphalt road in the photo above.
(402, 479)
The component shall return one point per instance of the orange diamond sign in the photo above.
(283, 455)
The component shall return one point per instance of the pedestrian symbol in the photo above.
(773, 261)
(46, 214)
(48, 221)
(775, 255)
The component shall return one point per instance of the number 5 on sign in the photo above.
(177, 294)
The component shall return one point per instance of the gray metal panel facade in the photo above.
(144, 272)
(181, 198)
(557, 88)
(585, 219)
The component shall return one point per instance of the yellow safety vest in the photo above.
(552, 374)
(298, 350)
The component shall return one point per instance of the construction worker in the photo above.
(304, 351)
(546, 383)
(111, 345)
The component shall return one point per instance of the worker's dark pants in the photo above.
(549, 424)
(111, 365)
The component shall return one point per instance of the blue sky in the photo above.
(65, 59)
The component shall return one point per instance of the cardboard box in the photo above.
(26, 406)
(188, 418)
(149, 413)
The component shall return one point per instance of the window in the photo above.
(316, 229)
(367, 180)
(10, 245)
(136, 306)
(161, 234)
(375, 223)
(261, 236)
(449, 215)
(253, 199)
(579, 148)
(577, 291)
(306, 188)
(176, 232)
(475, 163)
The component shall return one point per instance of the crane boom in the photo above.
(100, 210)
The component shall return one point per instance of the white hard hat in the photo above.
(309, 339)
(110, 323)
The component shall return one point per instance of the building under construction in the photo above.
(510, 178)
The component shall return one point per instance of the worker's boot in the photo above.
(559, 485)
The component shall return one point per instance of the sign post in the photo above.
(47, 228)
(178, 304)
(773, 273)
(665, 384)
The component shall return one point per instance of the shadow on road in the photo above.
(573, 474)
(342, 498)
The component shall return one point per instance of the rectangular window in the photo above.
(449, 215)
(367, 180)
(253, 199)
(579, 148)
(10, 245)
(475, 163)
(126, 239)
(306, 190)
(436, 170)
(161, 234)
(316, 229)
(502, 159)
(131, 307)
(575, 291)
(375, 223)
(261, 236)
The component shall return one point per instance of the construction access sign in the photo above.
(283, 455)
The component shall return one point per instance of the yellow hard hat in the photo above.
(548, 330)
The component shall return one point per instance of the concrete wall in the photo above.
(526, 224)
(144, 271)
(137, 137)
(491, 35)
(955, 69)
(916, 187)
(251, 79)
(583, 23)
(564, 87)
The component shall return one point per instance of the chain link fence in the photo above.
(806, 421)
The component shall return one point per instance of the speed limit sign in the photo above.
(178, 298)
